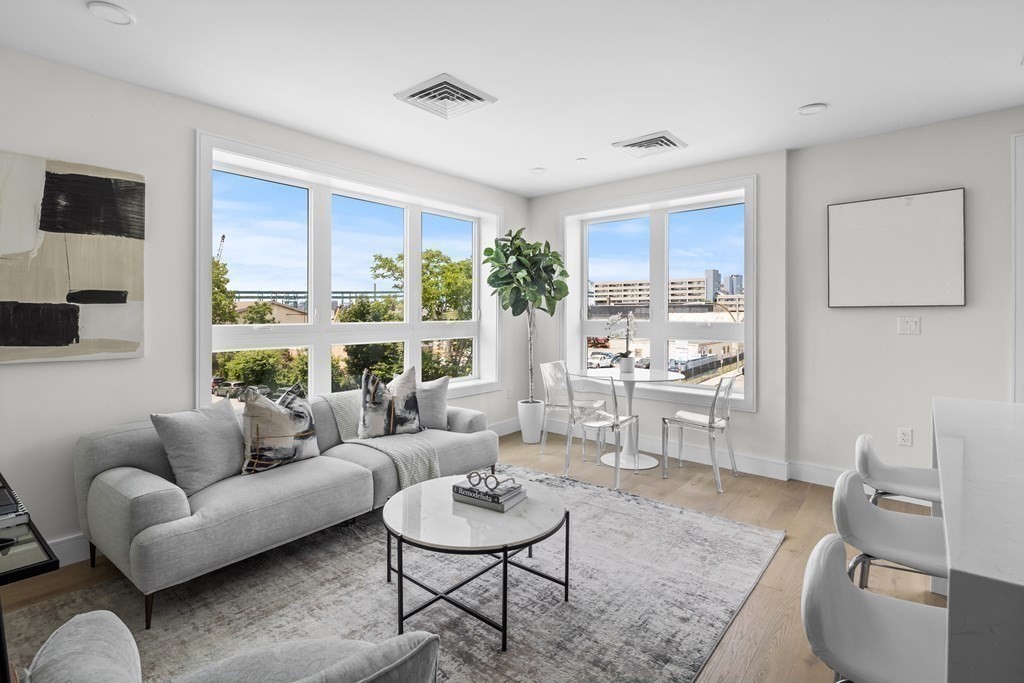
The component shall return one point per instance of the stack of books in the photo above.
(503, 498)
(12, 510)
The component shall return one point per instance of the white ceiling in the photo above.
(571, 76)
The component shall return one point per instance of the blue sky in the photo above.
(266, 232)
(698, 240)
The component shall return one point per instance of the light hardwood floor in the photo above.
(765, 642)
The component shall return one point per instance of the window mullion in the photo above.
(656, 329)
(414, 285)
(319, 302)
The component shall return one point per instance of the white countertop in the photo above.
(427, 514)
(979, 447)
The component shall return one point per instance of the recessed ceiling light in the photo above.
(582, 159)
(812, 109)
(111, 13)
(537, 170)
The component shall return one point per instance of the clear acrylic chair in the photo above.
(583, 392)
(556, 399)
(715, 422)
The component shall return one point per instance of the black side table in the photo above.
(29, 556)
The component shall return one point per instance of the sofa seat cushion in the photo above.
(408, 658)
(244, 515)
(457, 454)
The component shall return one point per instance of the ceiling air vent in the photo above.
(445, 96)
(653, 143)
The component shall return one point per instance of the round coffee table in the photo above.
(426, 516)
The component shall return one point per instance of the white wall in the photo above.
(59, 112)
(760, 438)
(849, 371)
(827, 375)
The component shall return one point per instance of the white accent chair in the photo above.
(715, 422)
(915, 541)
(866, 637)
(583, 393)
(556, 399)
(893, 480)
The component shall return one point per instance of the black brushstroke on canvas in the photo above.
(97, 296)
(32, 324)
(91, 205)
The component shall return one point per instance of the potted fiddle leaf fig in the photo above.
(527, 277)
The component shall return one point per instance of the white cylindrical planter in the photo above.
(626, 365)
(531, 418)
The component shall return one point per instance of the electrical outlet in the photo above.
(908, 324)
(508, 393)
(905, 436)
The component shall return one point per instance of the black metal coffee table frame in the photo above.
(503, 559)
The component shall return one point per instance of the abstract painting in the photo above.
(71, 261)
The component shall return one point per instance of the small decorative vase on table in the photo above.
(626, 365)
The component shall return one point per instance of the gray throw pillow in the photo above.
(203, 445)
(432, 399)
(277, 433)
(387, 411)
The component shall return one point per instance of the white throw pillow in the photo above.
(432, 398)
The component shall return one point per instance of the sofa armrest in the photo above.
(93, 647)
(124, 501)
(466, 420)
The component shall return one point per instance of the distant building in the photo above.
(282, 313)
(681, 291)
(712, 283)
(734, 285)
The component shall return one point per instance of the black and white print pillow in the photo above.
(387, 410)
(277, 433)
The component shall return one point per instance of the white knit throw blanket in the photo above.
(415, 458)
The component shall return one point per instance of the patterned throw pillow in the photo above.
(389, 410)
(277, 433)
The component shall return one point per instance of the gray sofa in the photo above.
(131, 510)
(96, 647)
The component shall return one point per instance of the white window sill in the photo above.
(472, 387)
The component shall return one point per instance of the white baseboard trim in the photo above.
(70, 549)
(824, 475)
(505, 427)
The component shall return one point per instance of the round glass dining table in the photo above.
(630, 460)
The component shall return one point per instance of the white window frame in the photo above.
(320, 333)
(659, 329)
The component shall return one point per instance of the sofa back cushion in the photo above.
(203, 445)
(95, 647)
(408, 658)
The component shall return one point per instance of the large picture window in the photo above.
(682, 265)
(313, 278)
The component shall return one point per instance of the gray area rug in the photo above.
(653, 588)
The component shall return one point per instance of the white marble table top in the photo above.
(427, 515)
(980, 452)
(638, 375)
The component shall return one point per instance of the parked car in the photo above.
(644, 363)
(601, 359)
(229, 389)
(216, 383)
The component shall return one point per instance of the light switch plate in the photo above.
(908, 324)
